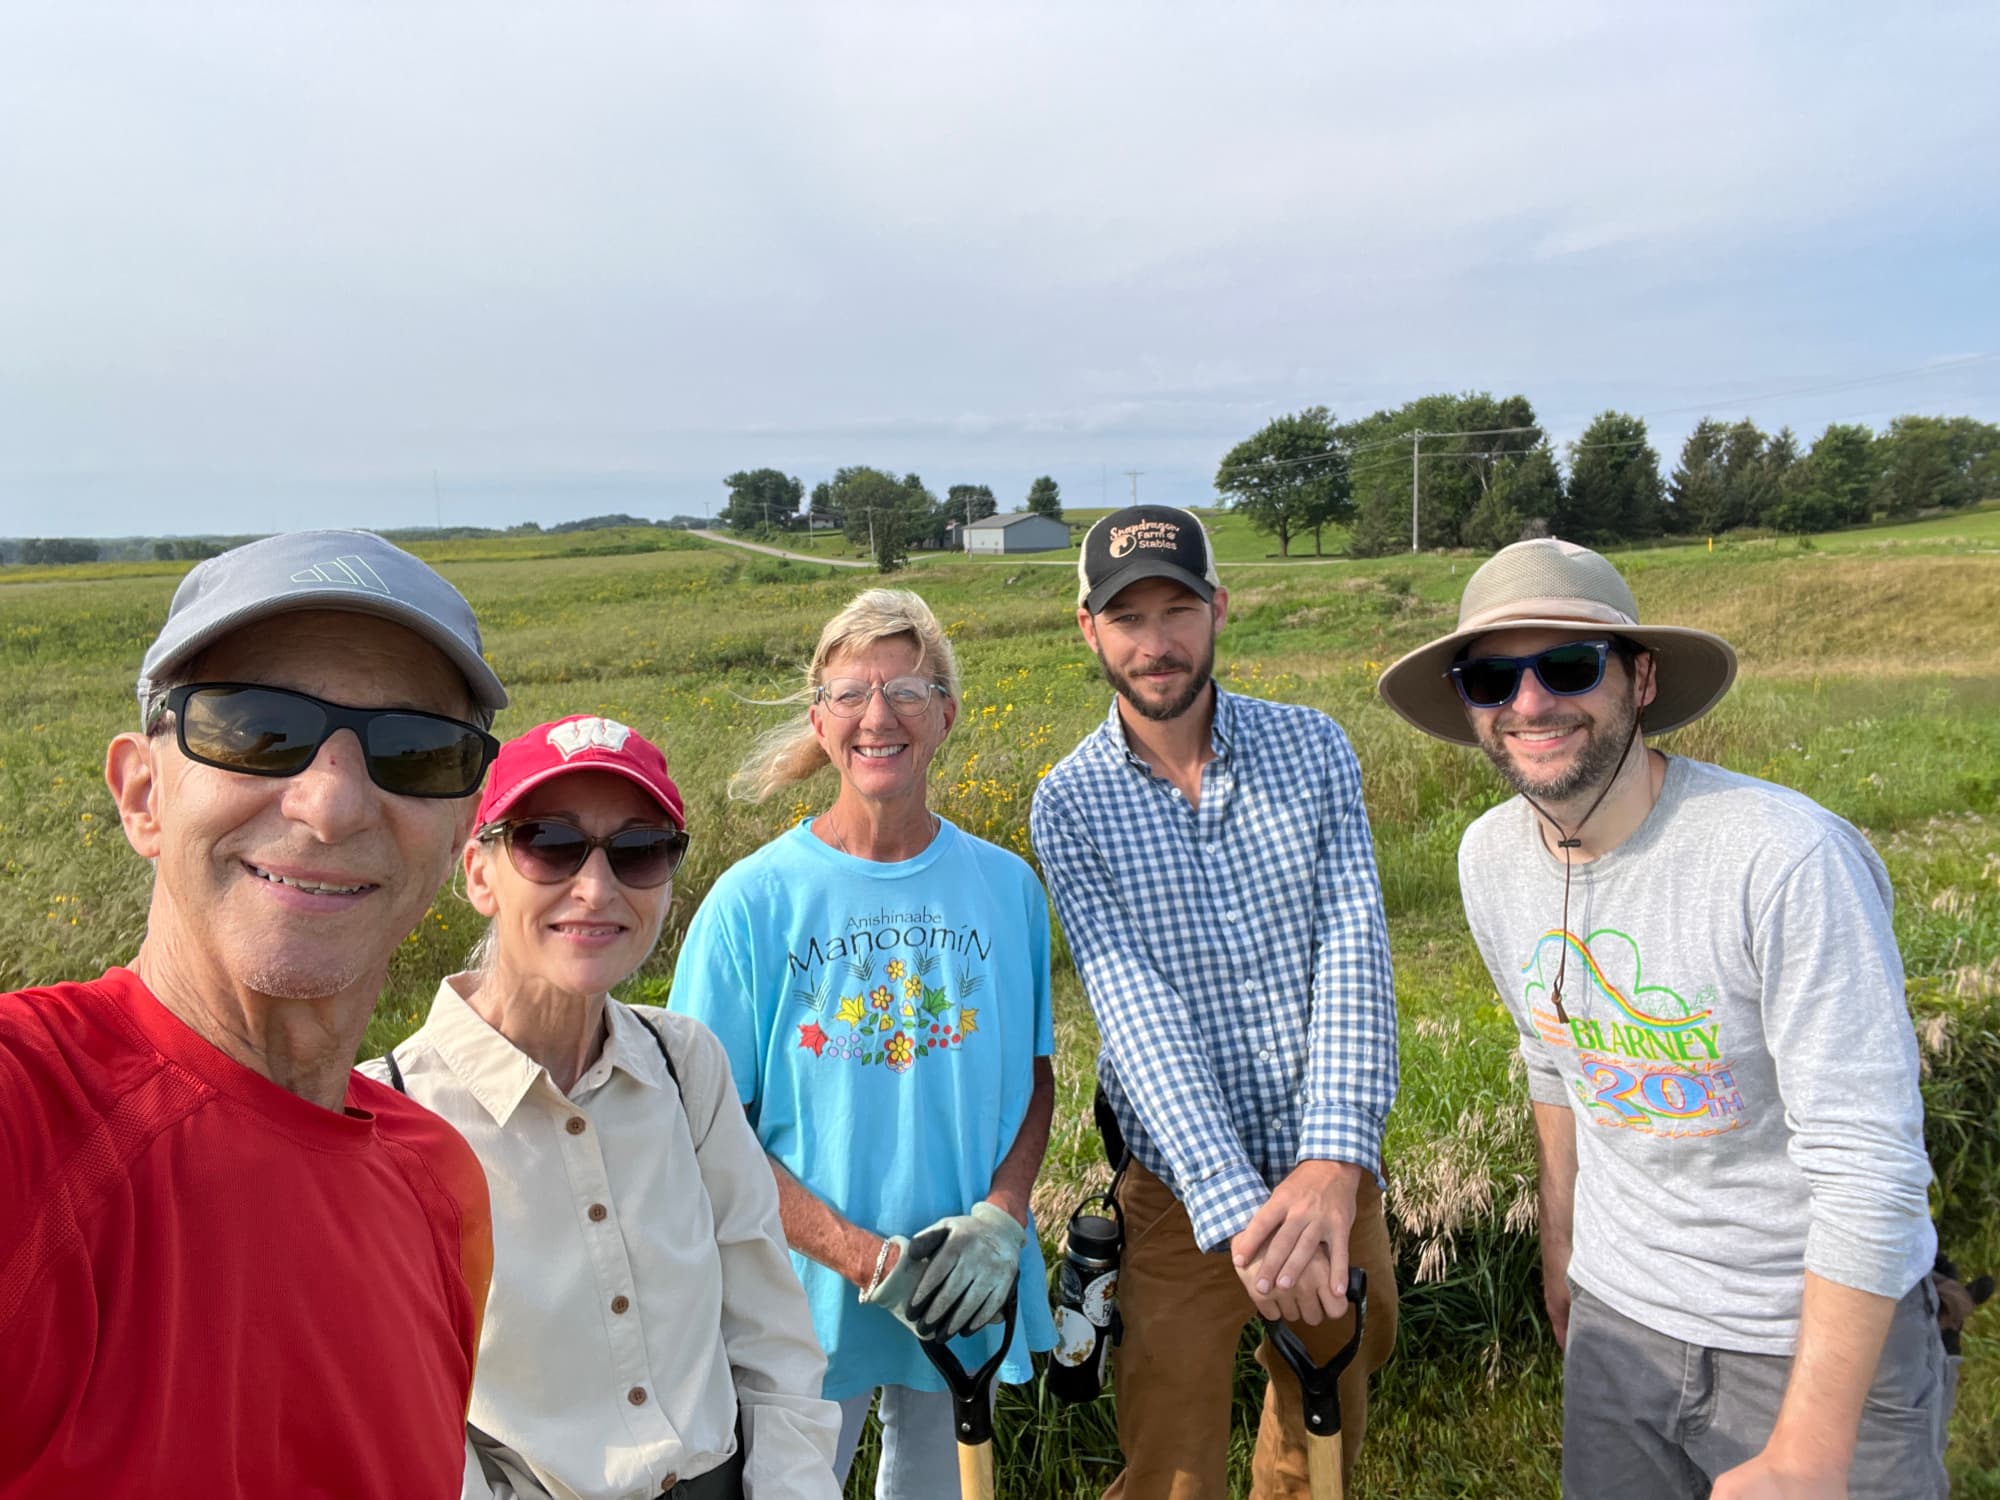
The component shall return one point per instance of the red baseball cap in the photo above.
(582, 742)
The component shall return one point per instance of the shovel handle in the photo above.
(1319, 1385)
(971, 1410)
(975, 1471)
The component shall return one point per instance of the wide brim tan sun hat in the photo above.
(1547, 584)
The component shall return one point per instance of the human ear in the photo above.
(1220, 605)
(133, 777)
(1646, 668)
(1087, 623)
(479, 883)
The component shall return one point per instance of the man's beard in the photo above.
(1605, 747)
(1203, 671)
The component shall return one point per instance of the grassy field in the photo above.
(1871, 681)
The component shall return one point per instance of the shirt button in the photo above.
(575, 1125)
(1249, 987)
(597, 1212)
(620, 1303)
(1265, 1053)
(637, 1395)
(1229, 916)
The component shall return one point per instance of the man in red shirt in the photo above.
(229, 1265)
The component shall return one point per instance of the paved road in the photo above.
(804, 557)
(1027, 562)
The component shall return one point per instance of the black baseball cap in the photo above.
(1144, 541)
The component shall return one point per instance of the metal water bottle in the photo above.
(1087, 1323)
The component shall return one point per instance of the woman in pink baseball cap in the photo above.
(645, 1333)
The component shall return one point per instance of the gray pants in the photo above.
(1644, 1414)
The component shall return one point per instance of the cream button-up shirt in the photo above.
(643, 1299)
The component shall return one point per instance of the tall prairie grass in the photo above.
(1871, 681)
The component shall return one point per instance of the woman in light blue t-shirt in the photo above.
(880, 980)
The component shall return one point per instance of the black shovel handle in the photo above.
(971, 1411)
(1320, 1384)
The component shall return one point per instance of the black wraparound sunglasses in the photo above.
(1566, 671)
(549, 851)
(268, 731)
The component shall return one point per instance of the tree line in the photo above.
(1488, 474)
(878, 509)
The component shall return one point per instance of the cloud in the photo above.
(326, 248)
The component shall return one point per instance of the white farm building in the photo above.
(1023, 531)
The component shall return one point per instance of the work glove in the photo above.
(893, 1292)
(973, 1261)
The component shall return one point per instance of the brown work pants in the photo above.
(1184, 1313)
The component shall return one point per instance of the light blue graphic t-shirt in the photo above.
(882, 1022)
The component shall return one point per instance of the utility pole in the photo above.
(1133, 475)
(437, 500)
(1416, 445)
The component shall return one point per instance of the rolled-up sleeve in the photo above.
(1839, 1032)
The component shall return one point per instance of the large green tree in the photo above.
(1290, 477)
(1045, 499)
(761, 500)
(1471, 442)
(1614, 488)
(1698, 489)
(883, 512)
(966, 503)
(1927, 461)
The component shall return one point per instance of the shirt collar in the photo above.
(1221, 733)
(496, 1072)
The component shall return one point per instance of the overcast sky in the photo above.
(275, 264)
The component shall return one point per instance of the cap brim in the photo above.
(487, 692)
(1695, 671)
(1142, 568)
(547, 774)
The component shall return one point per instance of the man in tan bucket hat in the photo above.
(1735, 1236)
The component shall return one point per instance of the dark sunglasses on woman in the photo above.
(549, 851)
(1566, 671)
(268, 731)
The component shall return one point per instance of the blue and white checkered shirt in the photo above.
(1234, 953)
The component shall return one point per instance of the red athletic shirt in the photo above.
(210, 1287)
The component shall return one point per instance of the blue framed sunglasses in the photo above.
(1566, 671)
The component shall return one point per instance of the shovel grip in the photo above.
(971, 1410)
(1319, 1385)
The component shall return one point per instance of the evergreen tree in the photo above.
(1614, 489)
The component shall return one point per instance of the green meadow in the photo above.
(1871, 681)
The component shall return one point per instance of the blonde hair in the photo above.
(791, 752)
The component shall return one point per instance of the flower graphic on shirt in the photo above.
(812, 1038)
(895, 969)
(900, 1052)
(912, 987)
(968, 1020)
(852, 1009)
(880, 996)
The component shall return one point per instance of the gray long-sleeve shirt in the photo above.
(1738, 1053)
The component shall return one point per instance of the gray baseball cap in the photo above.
(339, 570)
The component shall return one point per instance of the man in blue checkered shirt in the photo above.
(1210, 859)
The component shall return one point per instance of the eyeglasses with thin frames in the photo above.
(907, 697)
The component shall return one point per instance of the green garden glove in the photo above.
(973, 1262)
(893, 1292)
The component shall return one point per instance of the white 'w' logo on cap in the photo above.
(579, 735)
